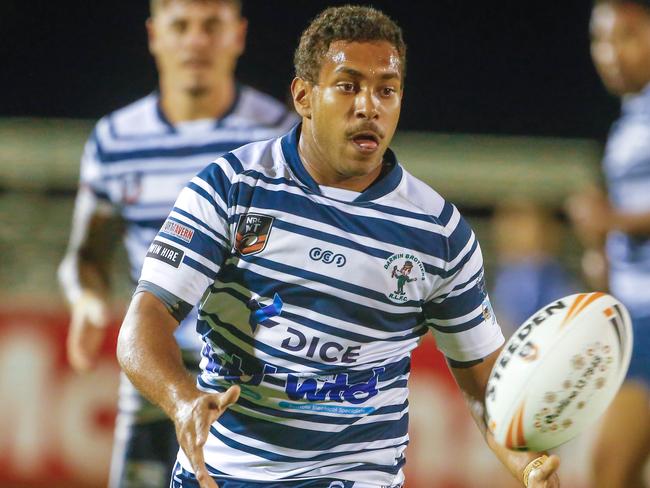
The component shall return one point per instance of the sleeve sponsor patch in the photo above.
(165, 253)
(175, 229)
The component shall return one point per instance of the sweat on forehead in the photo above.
(349, 24)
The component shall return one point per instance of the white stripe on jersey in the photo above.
(313, 307)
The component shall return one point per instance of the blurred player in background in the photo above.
(620, 48)
(306, 250)
(527, 238)
(134, 164)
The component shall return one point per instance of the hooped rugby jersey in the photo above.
(136, 162)
(627, 168)
(313, 305)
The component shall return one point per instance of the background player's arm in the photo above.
(84, 277)
(593, 215)
(473, 382)
(151, 358)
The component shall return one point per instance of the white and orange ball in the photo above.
(559, 372)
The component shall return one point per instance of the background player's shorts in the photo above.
(184, 479)
(640, 363)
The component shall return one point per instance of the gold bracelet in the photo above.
(534, 464)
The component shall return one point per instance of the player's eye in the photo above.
(212, 26)
(388, 91)
(346, 86)
(179, 26)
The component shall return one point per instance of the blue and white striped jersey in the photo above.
(313, 305)
(137, 162)
(627, 168)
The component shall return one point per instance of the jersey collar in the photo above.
(386, 183)
(637, 104)
(160, 113)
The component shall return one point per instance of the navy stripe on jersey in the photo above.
(474, 278)
(334, 283)
(108, 157)
(408, 237)
(454, 329)
(191, 217)
(290, 437)
(272, 456)
(185, 479)
(186, 171)
(452, 307)
(200, 267)
(201, 243)
(147, 223)
(326, 305)
(196, 188)
(320, 326)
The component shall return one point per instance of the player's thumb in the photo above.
(546, 470)
(229, 397)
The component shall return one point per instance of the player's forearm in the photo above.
(630, 223)
(150, 356)
(77, 275)
(87, 262)
(514, 461)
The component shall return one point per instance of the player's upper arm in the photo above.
(459, 311)
(474, 378)
(194, 242)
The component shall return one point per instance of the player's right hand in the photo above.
(87, 331)
(193, 423)
(546, 475)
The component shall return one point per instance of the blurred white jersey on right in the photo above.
(627, 168)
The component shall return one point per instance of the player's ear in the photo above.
(242, 31)
(151, 34)
(301, 93)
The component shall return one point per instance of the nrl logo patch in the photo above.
(404, 268)
(252, 233)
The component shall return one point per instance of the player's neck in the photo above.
(182, 106)
(324, 173)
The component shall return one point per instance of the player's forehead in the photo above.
(220, 9)
(362, 59)
(614, 19)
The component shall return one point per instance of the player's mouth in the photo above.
(197, 63)
(365, 141)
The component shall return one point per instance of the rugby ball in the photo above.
(558, 372)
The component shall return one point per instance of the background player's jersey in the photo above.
(138, 162)
(627, 168)
(313, 305)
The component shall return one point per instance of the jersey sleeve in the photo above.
(459, 311)
(91, 174)
(193, 243)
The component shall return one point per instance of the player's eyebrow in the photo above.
(388, 75)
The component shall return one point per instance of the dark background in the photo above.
(481, 67)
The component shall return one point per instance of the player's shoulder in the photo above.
(414, 195)
(259, 159)
(255, 108)
(140, 118)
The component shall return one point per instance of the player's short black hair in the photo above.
(641, 3)
(351, 23)
(154, 5)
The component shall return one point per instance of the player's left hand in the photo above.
(193, 423)
(546, 475)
